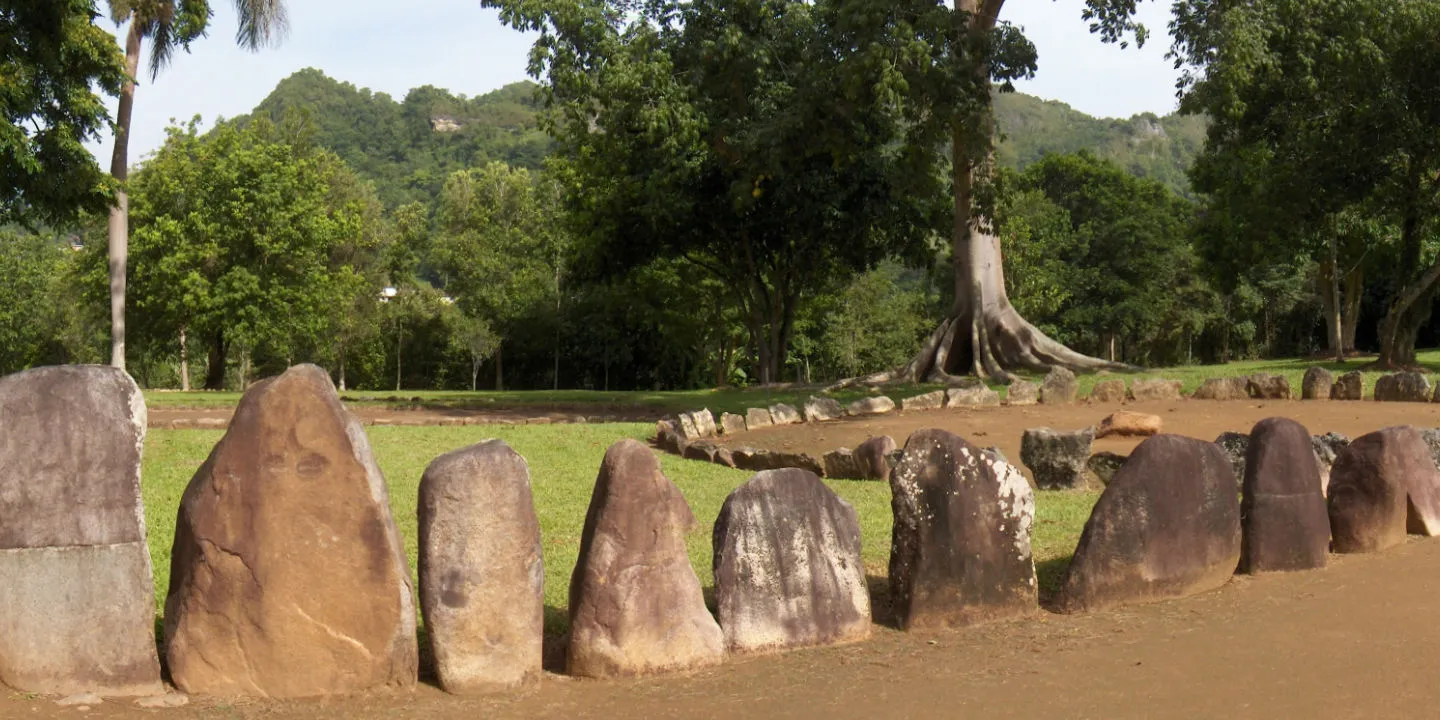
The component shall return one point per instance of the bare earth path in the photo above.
(1357, 640)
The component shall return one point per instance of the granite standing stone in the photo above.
(77, 602)
(960, 549)
(1226, 388)
(482, 575)
(1368, 489)
(788, 570)
(1057, 459)
(1022, 392)
(1108, 391)
(972, 396)
(1167, 525)
(288, 576)
(756, 418)
(1285, 524)
(1350, 386)
(1316, 384)
(1059, 388)
(871, 456)
(635, 602)
(820, 409)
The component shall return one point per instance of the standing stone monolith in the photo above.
(960, 547)
(482, 574)
(1108, 391)
(288, 576)
(1167, 525)
(1316, 384)
(1403, 387)
(1022, 392)
(1223, 388)
(77, 602)
(1156, 389)
(782, 414)
(1369, 488)
(1350, 386)
(1265, 386)
(972, 396)
(1059, 387)
(820, 409)
(635, 602)
(871, 457)
(1284, 521)
(756, 418)
(788, 570)
(1057, 459)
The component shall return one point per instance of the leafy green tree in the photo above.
(1322, 111)
(249, 237)
(168, 25)
(52, 60)
(32, 265)
(475, 338)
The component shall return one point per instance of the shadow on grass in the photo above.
(1050, 574)
(882, 610)
(557, 637)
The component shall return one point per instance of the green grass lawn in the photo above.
(563, 462)
(737, 399)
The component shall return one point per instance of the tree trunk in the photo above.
(342, 370)
(118, 231)
(475, 362)
(215, 367)
(499, 368)
(184, 362)
(1411, 306)
(245, 363)
(1354, 291)
(399, 348)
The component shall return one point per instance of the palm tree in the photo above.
(167, 24)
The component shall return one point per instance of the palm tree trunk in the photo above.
(119, 226)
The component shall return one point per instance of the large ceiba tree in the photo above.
(168, 25)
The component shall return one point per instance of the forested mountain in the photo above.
(407, 148)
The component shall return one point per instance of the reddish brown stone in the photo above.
(870, 456)
(1381, 485)
(288, 576)
(1283, 516)
(1167, 525)
(635, 602)
(1129, 424)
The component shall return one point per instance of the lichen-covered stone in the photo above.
(819, 409)
(973, 396)
(960, 549)
(1316, 384)
(1264, 386)
(1155, 390)
(1059, 388)
(1235, 446)
(1284, 522)
(782, 414)
(842, 463)
(1022, 392)
(77, 602)
(1167, 525)
(1403, 387)
(288, 576)
(704, 422)
(1057, 459)
(1350, 386)
(756, 418)
(1327, 447)
(1103, 465)
(732, 424)
(878, 405)
(927, 401)
(788, 569)
(1108, 391)
(481, 569)
(1225, 388)
(635, 603)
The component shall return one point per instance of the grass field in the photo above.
(737, 399)
(563, 463)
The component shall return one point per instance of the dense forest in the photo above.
(632, 222)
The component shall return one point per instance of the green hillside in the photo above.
(408, 147)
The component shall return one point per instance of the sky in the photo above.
(463, 48)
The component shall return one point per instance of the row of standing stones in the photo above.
(1057, 459)
(289, 579)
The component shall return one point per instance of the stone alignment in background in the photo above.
(1264, 386)
(878, 405)
(1368, 489)
(1284, 521)
(1059, 388)
(933, 400)
(1350, 386)
(288, 577)
(635, 602)
(782, 414)
(1316, 384)
(820, 409)
(1226, 388)
(1167, 525)
(77, 600)
(842, 463)
(1108, 391)
(482, 574)
(788, 570)
(1164, 390)
(1057, 459)
(960, 550)
(972, 396)
(1022, 392)
(731, 424)
(1129, 424)
(758, 418)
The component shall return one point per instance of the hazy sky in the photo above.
(455, 44)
